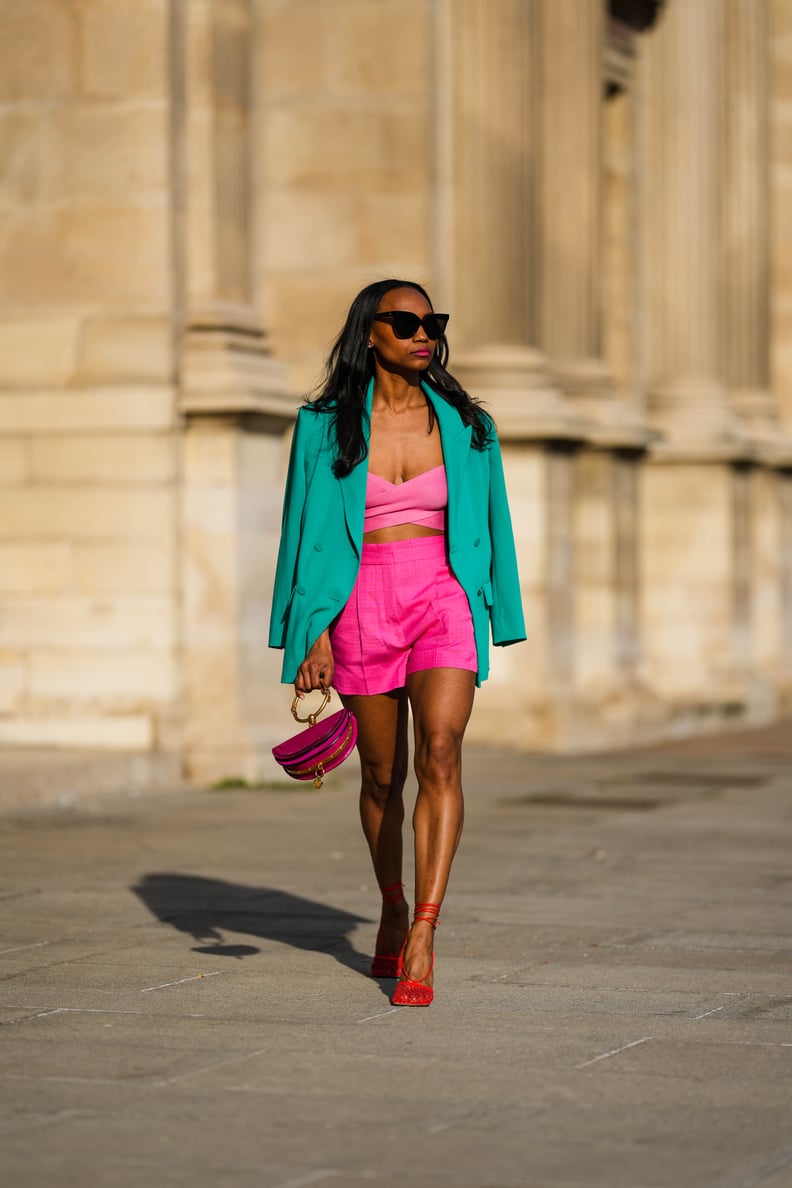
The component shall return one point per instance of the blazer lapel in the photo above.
(456, 437)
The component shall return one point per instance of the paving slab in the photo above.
(184, 995)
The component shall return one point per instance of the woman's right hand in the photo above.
(316, 670)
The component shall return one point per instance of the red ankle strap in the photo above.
(394, 893)
(430, 912)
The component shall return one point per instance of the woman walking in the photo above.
(396, 561)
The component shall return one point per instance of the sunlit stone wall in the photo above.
(192, 192)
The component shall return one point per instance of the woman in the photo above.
(396, 559)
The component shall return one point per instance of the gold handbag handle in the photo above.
(311, 719)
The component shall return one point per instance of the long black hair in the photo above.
(350, 366)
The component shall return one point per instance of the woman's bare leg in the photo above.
(441, 701)
(382, 747)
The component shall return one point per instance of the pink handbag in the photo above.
(320, 748)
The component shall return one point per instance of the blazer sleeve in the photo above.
(297, 478)
(506, 613)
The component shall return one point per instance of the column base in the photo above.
(696, 422)
(757, 415)
(514, 384)
(228, 369)
(592, 393)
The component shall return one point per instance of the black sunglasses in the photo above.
(405, 324)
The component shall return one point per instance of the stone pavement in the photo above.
(184, 1000)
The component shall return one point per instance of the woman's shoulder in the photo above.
(309, 437)
(313, 420)
(316, 410)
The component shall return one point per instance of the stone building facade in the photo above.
(191, 193)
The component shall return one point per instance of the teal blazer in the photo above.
(322, 536)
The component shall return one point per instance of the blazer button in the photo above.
(477, 542)
(318, 547)
(301, 589)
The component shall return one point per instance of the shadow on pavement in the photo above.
(207, 908)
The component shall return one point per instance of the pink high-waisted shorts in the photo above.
(406, 613)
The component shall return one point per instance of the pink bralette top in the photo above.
(420, 500)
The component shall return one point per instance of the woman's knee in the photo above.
(438, 756)
(382, 782)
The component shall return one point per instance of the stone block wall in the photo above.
(191, 193)
(235, 708)
(89, 456)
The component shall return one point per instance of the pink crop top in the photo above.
(420, 500)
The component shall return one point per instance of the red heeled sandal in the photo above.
(387, 965)
(414, 991)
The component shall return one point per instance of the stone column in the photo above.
(234, 402)
(606, 531)
(780, 181)
(571, 174)
(688, 566)
(234, 706)
(759, 581)
(493, 146)
(780, 86)
(487, 221)
(569, 194)
(746, 228)
(571, 179)
(491, 125)
(525, 156)
(785, 514)
(691, 586)
(704, 278)
(682, 191)
(769, 596)
(225, 361)
(603, 510)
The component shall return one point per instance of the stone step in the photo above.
(53, 775)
